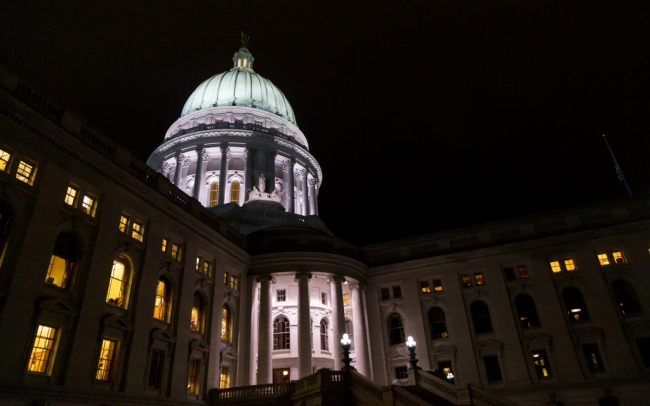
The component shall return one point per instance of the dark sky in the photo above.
(424, 116)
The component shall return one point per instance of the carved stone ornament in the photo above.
(203, 153)
(258, 192)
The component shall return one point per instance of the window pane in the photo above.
(42, 349)
(467, 281)
(137, 231)
(509, 273)
(224, 379)
(437, 323)
(574, 304)
(602, 258)
(479, 279)
(88, 205)
(24, 172)
(618, 257)
(437, 285)
(117, 283)
(234, 192)
(195, 317)
(492, 368)
(105, 360)
(193, 376)
(160, 305)
(424, 287)
(397, 292)
(4, 160)
(569, 264)
(124, 222)
(156, 365)
(555, 266)
(346, 299)
(70, 195)
(214, 194)
(542, 367)
(523, 272)
(396, 329)
(385, 294)
(225, 324)
(592, 356)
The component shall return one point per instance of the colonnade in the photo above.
(304, 364)
(306, 194)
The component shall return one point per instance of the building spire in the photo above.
(243, 59)
(244, 39)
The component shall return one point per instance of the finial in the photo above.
(244, 39)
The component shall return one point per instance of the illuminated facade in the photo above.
(118, 286)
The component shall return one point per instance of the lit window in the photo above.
(467, 281)
(156, 364)
(281, 333)
(437, 285)
(176, 252)
(350, 332)
(618, 257)
(602, 258)
(25, 172)
(105, 363)
(88, 205)
(160, 305)
(207, 268)
(42, 350)
(569, 264)
(70, 196)
(59, 272)
(195, 316)
(346, 299)
(193, 376)
(124, 223)
(281, 295)
(574, 304)
(523, 272)
(527, 311)
(424, 287)
(137, 231)
(165, 242)
(224, 379)
(555, 266)
(117, 286)
(542, 367)
(4, 160)
(234, 192)
(198, 264)
(225, 278)
(214, 194)
(233, 282)
(479, 279)
(592, 356)
(225, 324)
(385, 294)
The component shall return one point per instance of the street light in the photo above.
(346, 343)
(410, 344)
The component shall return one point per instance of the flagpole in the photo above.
(619, 172)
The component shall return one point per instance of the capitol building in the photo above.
(205, 276)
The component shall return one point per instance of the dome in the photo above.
(240, 86)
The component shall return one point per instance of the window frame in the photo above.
(50, 347)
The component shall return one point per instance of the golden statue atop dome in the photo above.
(244, 39)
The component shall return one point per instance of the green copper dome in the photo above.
(240, 86)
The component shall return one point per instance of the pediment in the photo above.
(490, 345)
(163, 334)
(199, 345)
(117, 321)
(543, 340)
(58, 305)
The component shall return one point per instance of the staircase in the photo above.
(349, 388)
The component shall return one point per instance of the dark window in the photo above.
(478, 277)
(467, 281)
(281, 334)
(492, 368)
(324, 336)
(349, 332)
(481, 317)
(156, 365)
(625, 297)
(401, 373)
(281, 295)
(437, 285)
(397, 292)
(574, 304)
(592, 356)
(437, 323)
(510, 273)
(396, 329)
(643, 344)
(385, 294)
(526, 311)
(424, 287)
(542, 366)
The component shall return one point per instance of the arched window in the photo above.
(118, 285)
(437, 323)
(214, 194)
(162, 300)
(281, 333)
(234, 192)
(625, 297)
(59, 272)
(526, 311)
(311, 333)
(324, 336)
(481, 317)
(225, 323)
(350, 332)
(396, 329)
(574, 304)
(197, 312)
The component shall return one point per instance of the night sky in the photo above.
(424, 116)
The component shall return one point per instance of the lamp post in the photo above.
(410, 344)
(346, 343)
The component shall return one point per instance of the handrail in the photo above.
(480, 397)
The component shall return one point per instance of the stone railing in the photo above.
(402, 397)
(232, 395)
(367, 393)
(479, 397)
(443, 389)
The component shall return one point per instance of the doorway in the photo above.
(281, 375)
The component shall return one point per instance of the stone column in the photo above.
(305, 192)
(249, 154)
(288, 195)
(338, 316)
(359, 327)
(312, 197)
(180, 163)
(202, 156)
(166, 168)
(223, 172)
(264, 359)
(304, 321)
